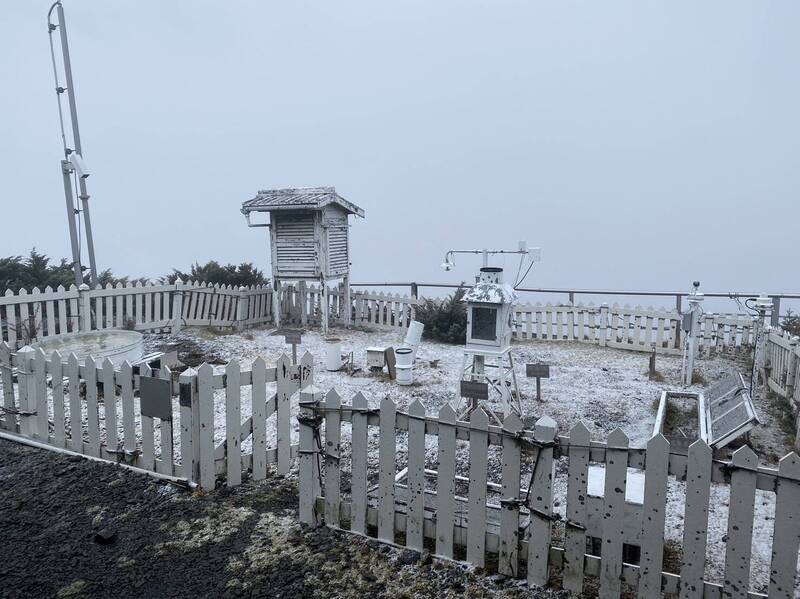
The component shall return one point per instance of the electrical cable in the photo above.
(50, 29)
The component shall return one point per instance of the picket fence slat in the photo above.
(164, 464)
(358, 467)
(75, 416)
(284, 392)
(695, 521)
(92, 410)
(148, 457)
(740, 523)
(478, 465)
(386, 471)
(575, 526)
(59, 417)
(653, 517)
(786, 532)
(416, 476)
(616, 466)
(333, 434)
(541, 504)
(233, 423)
(508, 563)
(110, 404)
(445, 481)
(205, 391)
(259, 399)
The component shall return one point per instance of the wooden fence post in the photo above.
(85, 308)
(26, 384)
(792, 366)
(614, 517)
(654, 516)
(333, 435)
(242, 308)
(510, 501)
(205, 430)
(309, 471)
(187, 386)
(9, 421)
(740, 524)
(603, 324)
(695, 520)
(575, 525)
(285, 389)
(541, 503)
(177, 307)
(386, 471)
(786, 533)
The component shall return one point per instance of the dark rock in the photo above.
(408, 557)
(104, 536)
(425, 558)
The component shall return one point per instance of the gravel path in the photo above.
(72, 527)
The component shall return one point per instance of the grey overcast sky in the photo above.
(640, 144)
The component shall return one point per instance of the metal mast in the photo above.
(72, 167)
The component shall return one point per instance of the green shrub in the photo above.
(791, 323)
(445, 320)
(213, 272)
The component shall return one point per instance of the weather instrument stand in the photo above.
(488, 378)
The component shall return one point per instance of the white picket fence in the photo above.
(302, 304)
(626, 327)
(63, 404)
(782, 370)
(28, 316)
(475, 519)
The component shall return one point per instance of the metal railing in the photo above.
(572, 292)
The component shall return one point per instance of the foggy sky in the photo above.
(640, 144)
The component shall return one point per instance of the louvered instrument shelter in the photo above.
(309, 238)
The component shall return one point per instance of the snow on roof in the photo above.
(491, 293)
(313, 198)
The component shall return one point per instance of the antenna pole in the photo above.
(66, 172)
(76, 140)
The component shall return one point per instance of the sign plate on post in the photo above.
(475, 390)
(155, 396)
(539, 371)
(292, 336)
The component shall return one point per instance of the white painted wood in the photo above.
(41, 431)
(309, 471)
(9, 420)
(508, 557)
(285, 389)
(164, 464)
(125, 379)
(205, 393)
(188, 466)
(695, 527)
(445, 481)
(333, 434)
(148, 456)
(786, 533)
(540, 504)
(575, 533)
(653, 517)
(56, 369)
(75, 419)
(740, 524)
(259, 398)
(613, 518)
(416, 475)
(110, 404)
(92, 413)
(233, 423)
(386, 470)
(478, 464)
(358, 486)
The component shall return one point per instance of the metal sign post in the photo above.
(538, 371)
